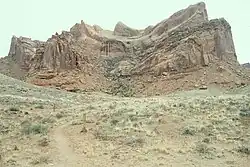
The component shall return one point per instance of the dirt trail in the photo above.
(67, 156)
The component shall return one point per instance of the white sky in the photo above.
(39, 19)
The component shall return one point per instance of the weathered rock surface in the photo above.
(123, 30)
(184, 51)
(24, 51)
(190, 47)
(192, 16)
(247, 65)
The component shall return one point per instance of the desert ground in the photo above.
(47, 127)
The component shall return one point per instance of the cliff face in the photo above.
(189, 47)
(24, 50)
(64, 51)
(184, 43)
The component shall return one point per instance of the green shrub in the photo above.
(35, 129)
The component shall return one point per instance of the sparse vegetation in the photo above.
(114, 122)
(59, 115)
(90, 107)
(161, 151)
(189, 131)
(112, 106)
(124, 128)
(13, 108)
(206, 140)
(48, 120)
(100, 135)
(40, 106)
(202, 149)
(135, 141)
(163, 107)
(35, 129)
(244, 150)
(122, 88)
(43, 142)
(41, 160)
(205, 151)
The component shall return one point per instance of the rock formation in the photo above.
(180, 52)
(123, 30)
(247, 65)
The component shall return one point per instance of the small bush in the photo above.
(112, 106)
(244, 150)
(161, 151)
(135, 142)
(14, 109)
(206, 140)
(182, 105)
(40, 160)
(114, 122)
(202, 148)
(43, 142)
(39, 106)
(189, 131)
(90, 107)
(100, 135)
(59, 115)
(35, 129)
(123, 88)
(163, 107)
(48, 120)
(205, 151)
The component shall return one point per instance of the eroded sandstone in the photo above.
(186, 47)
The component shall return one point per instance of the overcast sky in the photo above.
(39, 19)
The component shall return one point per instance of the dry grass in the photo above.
(33, 129)
(135, 131)
(41, 160)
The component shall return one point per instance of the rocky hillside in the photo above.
(247, 65)
(182, 52)
(43, 127)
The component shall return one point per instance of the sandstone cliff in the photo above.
(184, 51)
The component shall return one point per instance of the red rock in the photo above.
(184, 47)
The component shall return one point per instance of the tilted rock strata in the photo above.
(187, 48)
(184, 43)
